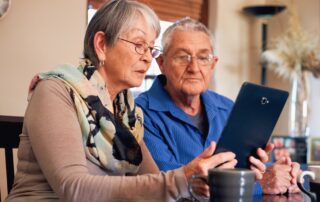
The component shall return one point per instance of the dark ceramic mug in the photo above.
(227, 185)
(314, 183)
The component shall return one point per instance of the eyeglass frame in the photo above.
(145, 47)
(210, 58)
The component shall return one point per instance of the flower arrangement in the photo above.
(294, 52)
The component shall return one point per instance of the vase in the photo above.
(299, 104)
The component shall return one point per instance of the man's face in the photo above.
(187, 77)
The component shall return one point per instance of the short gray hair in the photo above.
(115, 18)
(185, 24)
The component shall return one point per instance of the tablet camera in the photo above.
(264, 100)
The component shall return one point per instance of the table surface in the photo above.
(282, 198)
(271, 198)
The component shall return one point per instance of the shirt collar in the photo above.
(159, 100)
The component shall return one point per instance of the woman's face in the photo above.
(123, 67)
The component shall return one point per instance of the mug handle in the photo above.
(194, 195)
(300, 184)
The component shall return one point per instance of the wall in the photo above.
(36, 35)
(238, 44)
(234, 44)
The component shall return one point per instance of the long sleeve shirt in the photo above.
(52, 164)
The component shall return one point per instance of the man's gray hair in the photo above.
(115, 18)
(185, 24)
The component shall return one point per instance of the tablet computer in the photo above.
(251, 121)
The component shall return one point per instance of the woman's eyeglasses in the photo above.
(142, 48)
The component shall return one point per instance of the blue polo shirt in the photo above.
(170, 134)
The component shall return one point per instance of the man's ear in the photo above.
(99, 45)
(215, 60)
(160, 61)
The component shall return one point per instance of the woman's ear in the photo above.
(99, 45)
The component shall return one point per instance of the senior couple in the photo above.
(84, 139)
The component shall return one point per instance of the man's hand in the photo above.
(295, 172)
(281, 177)
(257, 165)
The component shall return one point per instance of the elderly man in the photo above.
(182, 116)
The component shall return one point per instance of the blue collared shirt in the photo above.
(170, 134)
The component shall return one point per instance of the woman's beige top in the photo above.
(52, 165)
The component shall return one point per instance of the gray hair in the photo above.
(115, 18)
(185, 24)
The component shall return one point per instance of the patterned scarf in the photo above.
(111, 140)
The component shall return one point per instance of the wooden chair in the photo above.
(10, 129)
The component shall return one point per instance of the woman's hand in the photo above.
(205, 161)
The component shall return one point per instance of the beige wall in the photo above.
(36, 35)
(238, 43)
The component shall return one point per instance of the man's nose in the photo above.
(193, 65)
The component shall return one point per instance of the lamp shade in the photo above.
(264, 11)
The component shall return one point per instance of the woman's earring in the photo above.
(101, 63)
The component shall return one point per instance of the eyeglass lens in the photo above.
(143, 48)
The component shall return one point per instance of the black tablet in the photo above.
(251, 121)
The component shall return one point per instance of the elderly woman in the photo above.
(83, 135)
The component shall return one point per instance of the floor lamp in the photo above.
(264, 12)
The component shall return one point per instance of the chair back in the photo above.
(10, 129)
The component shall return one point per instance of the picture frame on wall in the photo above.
(314, 150)
(287, 146)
